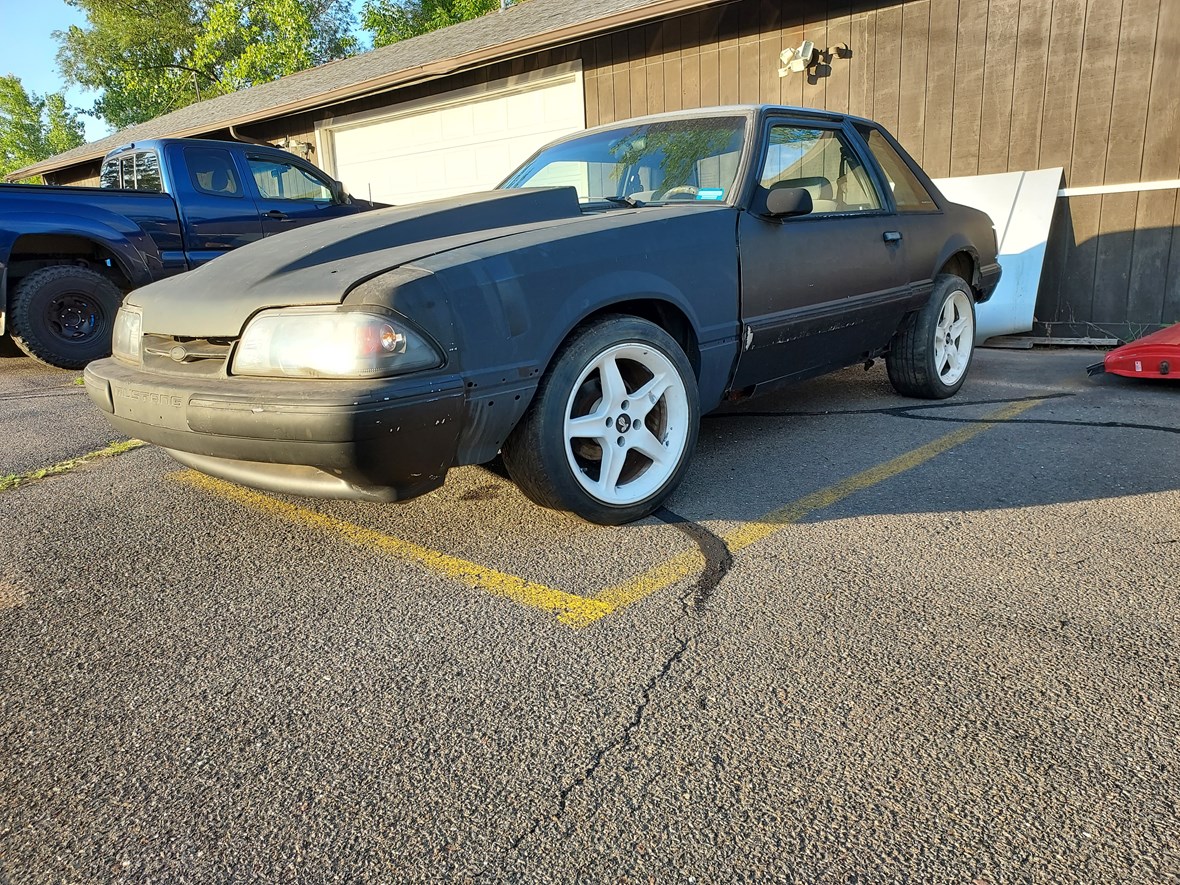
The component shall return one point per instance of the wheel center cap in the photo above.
(623, 423)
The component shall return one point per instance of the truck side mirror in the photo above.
(787, 202)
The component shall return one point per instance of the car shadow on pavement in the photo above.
(1076, 439)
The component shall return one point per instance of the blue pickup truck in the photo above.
(68, 255)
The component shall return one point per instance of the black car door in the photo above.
(919, 219)
(815, 288)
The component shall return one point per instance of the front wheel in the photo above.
(931, 353)
(613, 425)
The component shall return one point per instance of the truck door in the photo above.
(814, 288)
(216, 210)
(290, 194)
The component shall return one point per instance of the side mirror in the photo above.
(787, 202)
(339, 194)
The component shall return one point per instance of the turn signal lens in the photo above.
(127, 337)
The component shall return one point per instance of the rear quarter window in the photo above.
(138, 171)
(908, 192)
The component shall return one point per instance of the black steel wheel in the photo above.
(63, 316)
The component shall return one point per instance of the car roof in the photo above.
(744, 110)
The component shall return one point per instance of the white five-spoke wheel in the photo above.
(611, 429)
(626, 424)
(953, 337)
(931, 352)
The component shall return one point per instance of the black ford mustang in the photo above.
(578, 320)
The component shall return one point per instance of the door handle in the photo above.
(891, 236)
(276, 215)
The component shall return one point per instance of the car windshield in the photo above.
(693, 159)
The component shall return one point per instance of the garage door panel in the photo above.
(491, 116)
(457, 144)
(458, 122)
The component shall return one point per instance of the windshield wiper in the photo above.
(624, 201)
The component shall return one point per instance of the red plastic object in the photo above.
(1155, 356)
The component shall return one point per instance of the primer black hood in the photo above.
(319, 263)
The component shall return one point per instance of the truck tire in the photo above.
(63, 316)
(613, 425)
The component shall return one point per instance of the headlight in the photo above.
(127, 339)
(318, 342)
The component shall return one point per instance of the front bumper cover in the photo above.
(383, 440)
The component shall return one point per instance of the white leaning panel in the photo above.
(1021, 208)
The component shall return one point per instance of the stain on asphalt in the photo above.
(483, 493)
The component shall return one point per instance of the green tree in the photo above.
(394, 20)
(148, 57)
(33, 127)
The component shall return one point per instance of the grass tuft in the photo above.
(12, 480)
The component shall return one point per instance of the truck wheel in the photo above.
(931, 353)
(63, 315)
(613, 425)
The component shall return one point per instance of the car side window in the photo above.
(212, 172)
(277, 180)
(908, 192)
(821, 162)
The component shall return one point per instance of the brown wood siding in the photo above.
(968, 86)
(84, 175)
(972, 87)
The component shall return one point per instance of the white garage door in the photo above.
(456, 143)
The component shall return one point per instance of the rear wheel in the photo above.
(931, 354)
(63, 316)
(613, 425)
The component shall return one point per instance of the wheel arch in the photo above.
(962, 260)
(656, 310)
(34, 246)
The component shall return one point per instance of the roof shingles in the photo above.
(344, 78)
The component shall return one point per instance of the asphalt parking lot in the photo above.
(869, 640)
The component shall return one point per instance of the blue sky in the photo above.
(29, 51)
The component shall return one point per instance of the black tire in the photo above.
(917, 365)
(63, 316)
(543, 452)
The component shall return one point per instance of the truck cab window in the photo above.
(212, 172)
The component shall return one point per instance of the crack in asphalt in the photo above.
(694, 602)
(719, 560)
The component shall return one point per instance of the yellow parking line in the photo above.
(680, 567)
(12, 480)
(572, 609)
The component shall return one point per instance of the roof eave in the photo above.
(420, 73)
